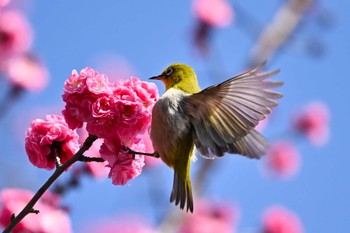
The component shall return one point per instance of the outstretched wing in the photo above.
(225, 115)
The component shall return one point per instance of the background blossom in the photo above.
(313, 122)
(210, 217)
(51, 218)
(15, 34)
(27, 72)
(217, 13)
(277, 219)
(282, 159)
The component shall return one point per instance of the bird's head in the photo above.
(179, 76)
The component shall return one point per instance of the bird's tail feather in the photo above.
(182, 192)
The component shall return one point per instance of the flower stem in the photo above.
(59, 170)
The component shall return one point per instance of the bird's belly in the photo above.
(169, 124)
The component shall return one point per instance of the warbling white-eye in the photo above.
(220, 119)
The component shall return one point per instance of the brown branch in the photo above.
(91, 159)
(59, 170)
(277, 33)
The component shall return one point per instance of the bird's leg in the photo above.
(130, 151)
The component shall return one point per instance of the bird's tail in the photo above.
(182, 192)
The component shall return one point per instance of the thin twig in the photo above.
(91, 159)
(59, 170)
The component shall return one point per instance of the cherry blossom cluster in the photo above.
(118, 113)
(49, 140)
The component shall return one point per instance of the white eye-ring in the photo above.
(168, 71)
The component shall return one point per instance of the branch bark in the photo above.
(59, 170)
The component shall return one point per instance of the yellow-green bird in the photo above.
(220, 119)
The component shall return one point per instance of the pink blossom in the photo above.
(48, 138)
(216, 13)
(126, 113)
(15, 34)
(313, 122)
(80, 92)
(121, 109)
(210, 217)
(280, 220)
(51, 219)
(27, 72)
(282, 159)
(146, 92)
(123, 166)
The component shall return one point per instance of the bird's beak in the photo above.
(158, 77)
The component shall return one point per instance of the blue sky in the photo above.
(150, 35)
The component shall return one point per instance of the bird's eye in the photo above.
(168, 71)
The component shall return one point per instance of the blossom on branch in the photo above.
(81, 90)
(119, 112)
(50, 219)
(121, 109)
(123, 166)
(47, 139)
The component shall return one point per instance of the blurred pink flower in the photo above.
(96, 169)
(279, 220)
(210, 14)
(133, 224)
(216, 13)
(48, 138)
(15, 34)
(210, 217)
(3, 3)
(51, 219)
(26, 72)
(313, 122)
(282, 159)
(123, 166)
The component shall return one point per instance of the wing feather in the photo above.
(224, 116)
